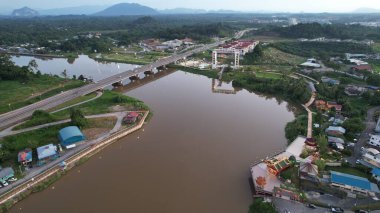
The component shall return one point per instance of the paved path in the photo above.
(98, 95)
(9, 131)
(310, 116)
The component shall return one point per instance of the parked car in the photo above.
(4, 183)
(12, 179)
(312, 206)
(361, 211)
(336, 210)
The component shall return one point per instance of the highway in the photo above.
(21, 114)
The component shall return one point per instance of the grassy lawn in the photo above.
(17, 93)
(105, 104)
(144, 58)
(274, 56)
(74, 101)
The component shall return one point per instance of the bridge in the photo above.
(21, 114)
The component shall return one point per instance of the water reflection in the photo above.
(83, 65)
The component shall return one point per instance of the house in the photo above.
(47, 152)
(6, 173)
(131, 118)
(308, 170)
(376, 174)
(377, 128)
(355, 56)
(374, 140)
(25, 156)
(362, 67)
(311, 63)
(335, 131)
(323, 105)
(353, 183)
(70, 136)
(354, 90)
(331, 139)
(330, 81)
(372, 156)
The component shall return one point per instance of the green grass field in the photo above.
(74, 101)
(274, 56)
(144, 58)
(15, 94)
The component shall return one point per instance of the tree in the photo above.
(33, 65)
(321, 164)
(77, 118)
(322, 144)
(64, 73)
(74, 77)
(81, 77)
(259, 206)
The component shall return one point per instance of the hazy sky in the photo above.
(242, 5)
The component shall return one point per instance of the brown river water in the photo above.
(193, 156)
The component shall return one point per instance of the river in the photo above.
(193, 156)
(83, 65)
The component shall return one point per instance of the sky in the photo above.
(240, 5)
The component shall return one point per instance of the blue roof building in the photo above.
(376, 173)
(353, 183)
(69, 136)
(48, 151)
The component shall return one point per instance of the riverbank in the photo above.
(47, 177)
(280, 87)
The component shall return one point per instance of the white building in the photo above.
(372, 156)
(374, 140)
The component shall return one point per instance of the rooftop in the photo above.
(46, 151)
(352, 180)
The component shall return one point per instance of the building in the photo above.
(6, 174)
(372, 156)
(353, 183)
(377, 128)
(330, 81)
(376, 174)
(241, 46)
(311, 63)
(331, 139)
(277, 165)
(355, 56)
(131, 118)
(308, 170)
(335, 131)
(362, 67)
(374, 140)
(69, 136)
(47, 152)
(354, 90)
(173, 43)
(25, 156)
(323, 105)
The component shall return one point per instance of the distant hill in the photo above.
(80, 10)
(24, 12)
(183, 11)
(366, 10)
(127, 9)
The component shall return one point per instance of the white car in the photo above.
(12, 179)
(4, 183)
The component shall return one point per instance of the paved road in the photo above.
(364, 137)
(18, 115)
(295, 207)
(9, 131)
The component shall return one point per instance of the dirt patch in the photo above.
(94, 133)
(118, 108)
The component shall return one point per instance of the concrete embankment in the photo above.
(15, 194)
